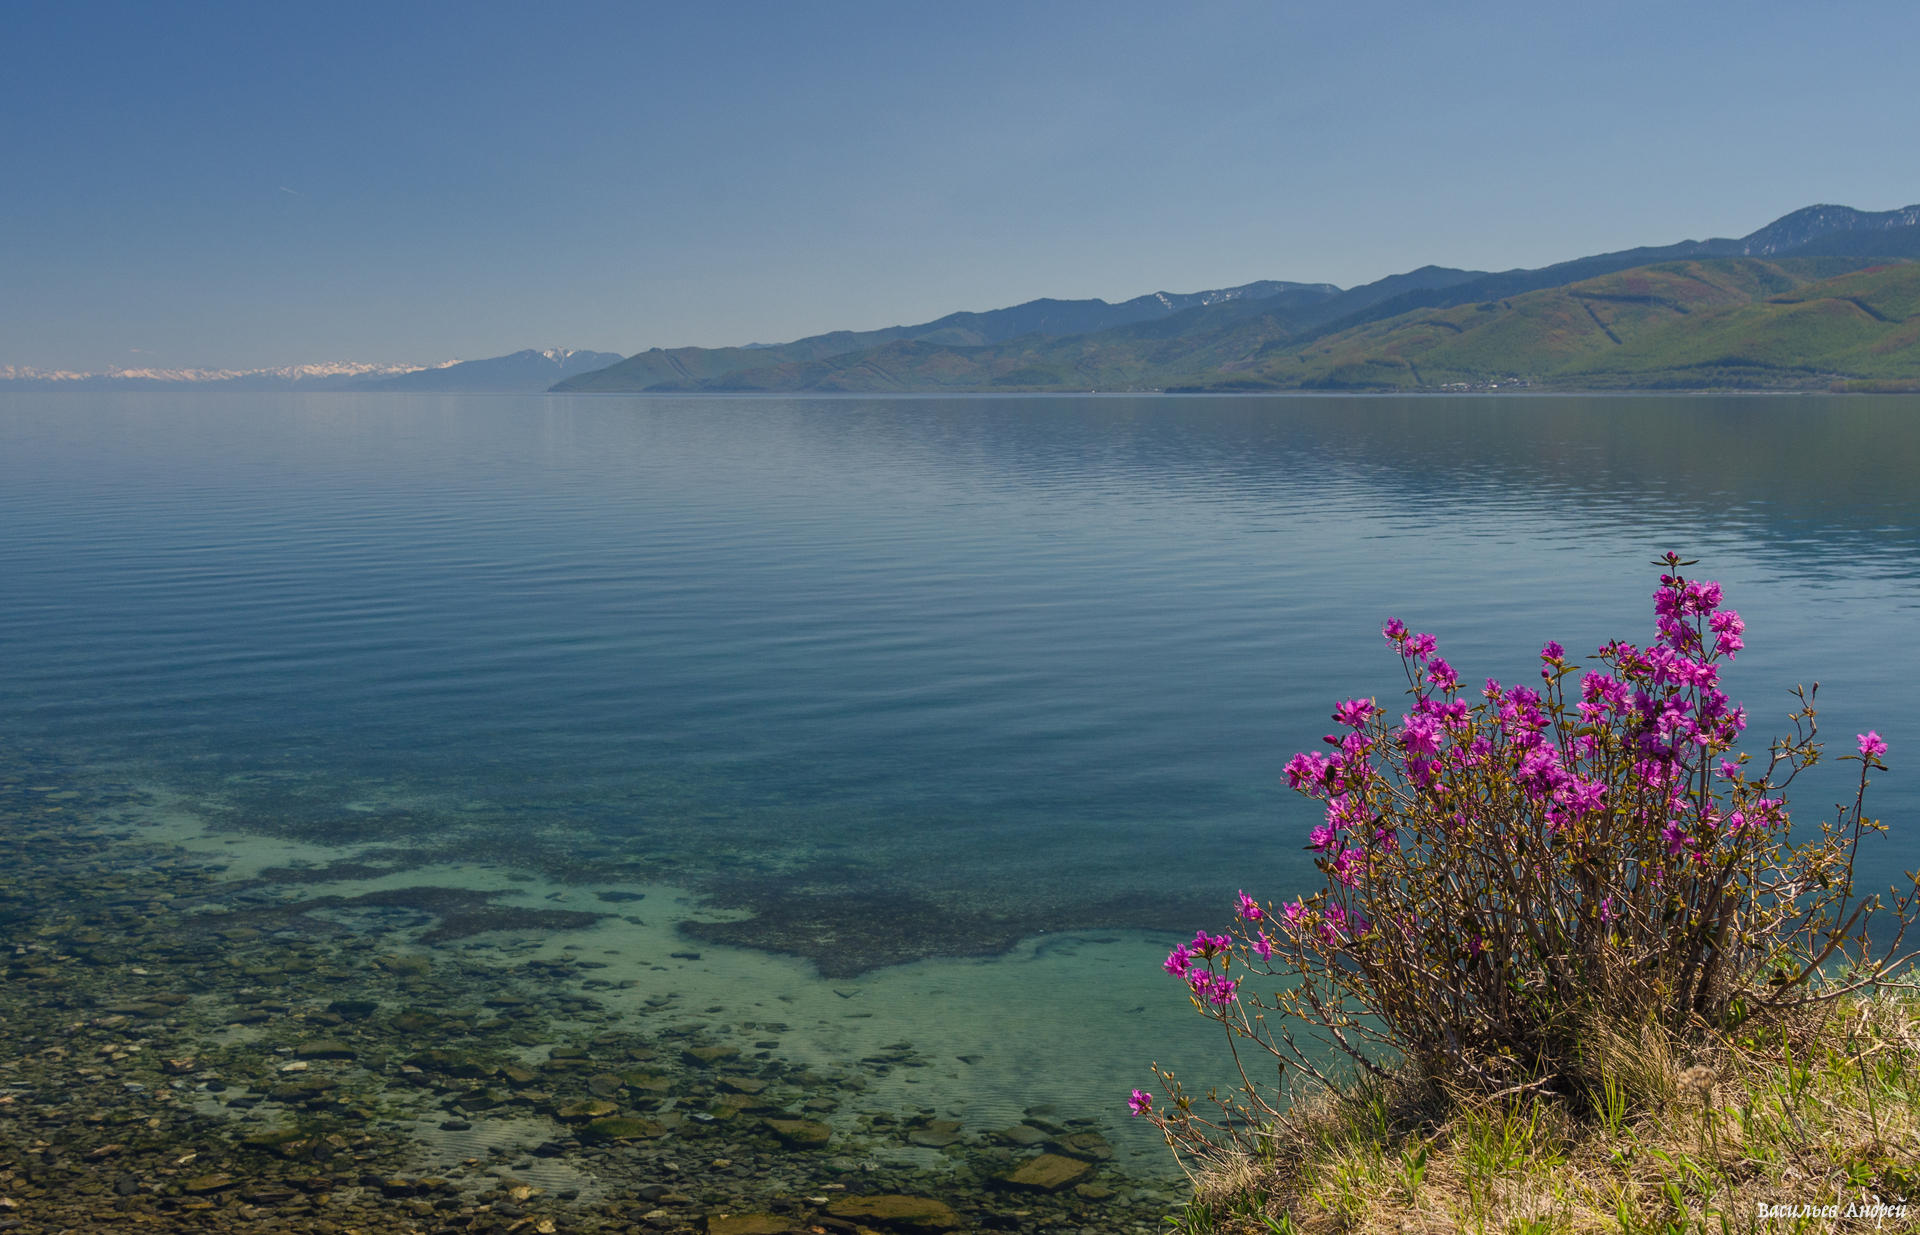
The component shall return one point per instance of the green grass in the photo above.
(1672, 1142)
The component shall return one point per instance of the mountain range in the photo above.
(523, 371)
(1815, 298)
(336, 375)
(1826, 297)
(526, 371)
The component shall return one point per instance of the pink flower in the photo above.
(1354, 713)
(1582, 796)
(1395, 629)
(1140, 1102)
(1727, 626)
(1248, 908)
(1306, 769)
(1216, 989)
(1540, 771)
(1334, 924)
(1210, 946)
(1419, 646)
(1872, 745)
(1420, 735)
(1263, 947)
(1344, 811)
(1553, 651)
(1178, 962)
(1294, 916)
(1320, 837)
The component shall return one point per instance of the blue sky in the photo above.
(261, 184)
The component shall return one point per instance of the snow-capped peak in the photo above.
(332, 369)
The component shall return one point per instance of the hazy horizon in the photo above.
(235, 187)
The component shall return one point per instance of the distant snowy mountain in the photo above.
(528, 370)
(333, 375)
(525, 371)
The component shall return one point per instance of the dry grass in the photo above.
(1667, 1141)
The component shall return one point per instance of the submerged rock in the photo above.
(620, 1129)
(708, 1056)
(353, 1009)
(450, 1063)
(745, 1224)
(801, 1133)
(904, 1213)
(407, 966)
(593, 1108)
(325, 1048)
(1090, 1146)
(1046, 1173)
(936, 1134)
(1021, 1135)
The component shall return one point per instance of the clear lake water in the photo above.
(900, 719)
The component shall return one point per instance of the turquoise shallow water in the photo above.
(889, 680)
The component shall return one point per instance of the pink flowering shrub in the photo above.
(1508, 865)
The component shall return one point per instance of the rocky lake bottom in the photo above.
(192, 1044)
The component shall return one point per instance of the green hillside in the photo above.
(1736, 323)
(1710, 323)
(1864, 325)
(696, 368)
(1820, 297)
(685, 368)
(1795, 322)
(1136, 355)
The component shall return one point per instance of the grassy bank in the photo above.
(1823, 1113)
